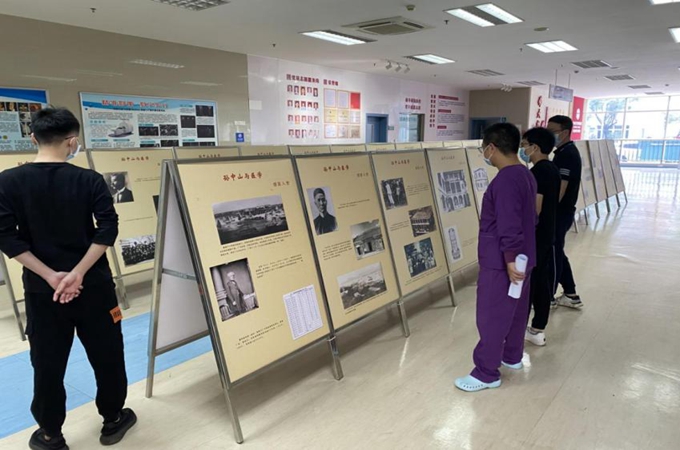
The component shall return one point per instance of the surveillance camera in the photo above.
(411, 7)
(577, 71)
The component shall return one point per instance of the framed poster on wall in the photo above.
(16, 106)
(123, 121)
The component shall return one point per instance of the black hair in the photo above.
(541, 137)
(564, 122)
(505, 136)
(52, 125)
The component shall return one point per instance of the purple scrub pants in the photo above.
(501, 322)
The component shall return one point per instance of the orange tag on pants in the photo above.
(117, 314)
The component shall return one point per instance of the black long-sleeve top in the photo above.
(51, 209)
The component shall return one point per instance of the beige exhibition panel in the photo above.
(355, 260)
(264, 150)
(205, 152)
(580, 201)
(298, 150)
(616, 167)
(609, 182)
(481, 175)
(472, 143)
(263, 243)
(381, 147)
(409, 146)
(356, 148)
(432, 144)
(598, 170)
(454, 144)
(587, 180)
(457, 211)
(141, 169)
(408, 205)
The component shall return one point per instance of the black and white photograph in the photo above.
(393, 192)
(248, 219)
(420, 257)
(170, 143)
(138, 250)
(125, 129)
(26, 129)
(422, 220)
(454, 243)
(189, 144)
(322, 209)
(367, 239)
(119, 186)
(205, 111)
(187, 121)
(149, 145)
(205, 131)
(452, 190)
(361, 285)
(206, 144)
(149, 131)
(25, 116)
(169, 130)
(234, 289)
(481, 179)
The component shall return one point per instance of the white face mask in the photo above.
(74, 154)
(487, 160)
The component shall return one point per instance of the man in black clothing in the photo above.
(46, 223)
(568, 160)
(324, 222)
(537, 144)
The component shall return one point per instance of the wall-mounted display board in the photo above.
(598, 170)
(16, 106)
(124, 121)
(587, 179)
(456, 204)
(134, 178)
(205, 152)
(401, 146)
(381, 147)
(481, 175)
(616, 167)
(454, 144)
(349, 235)
(472, 143)
(303, 150)
(608, 172)
(355, 148)
(432, 144)
(264, 150)
(412, 226)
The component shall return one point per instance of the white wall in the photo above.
(269, 111)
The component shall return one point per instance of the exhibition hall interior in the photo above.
(377, 224)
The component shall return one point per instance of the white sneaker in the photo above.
(553, 303)
(535, 338)
(569, 302)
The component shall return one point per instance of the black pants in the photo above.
(564, 275)
(50, 329)
(542, 286)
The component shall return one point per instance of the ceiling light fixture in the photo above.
(431, 59)
(336, 38)
(499, 13)
(200, 83)
(46, 78)
(147, 62)
(193, 5)
(675, 32)
(469, 17)
(663, 2)
(398, 69)
(97, 73)
(408, 69)
(552, 47)
(389, 65)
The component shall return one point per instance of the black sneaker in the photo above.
(38, 441)
(114, 432)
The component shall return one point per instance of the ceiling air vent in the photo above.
(619, 77)
(193, 5)
(389, 27)
(640, 86)
(486, 72)
(531, 83)
(594, 64)
(654, 93)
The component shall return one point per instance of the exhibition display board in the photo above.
(205, 152)
(134, 178)
(401, 146)
(481, 175)
(455, 201)
(16, 106)
(354, 148)
(432, 144)
(609, 182)
(349, 235)
(412, 226)
(616, 167)
(255, 259)
(264, 150)
(381, 147)
(587, 179)
(309, 149)
(454, 144)
(598, 170)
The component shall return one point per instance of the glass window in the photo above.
(648, 103)
(607, 125)
(645, 125)
(607, 104)
(673, 127)
(675, 102)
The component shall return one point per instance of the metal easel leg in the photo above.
(150, 375)
(335, 355)
(17, 314)
(625, 196)
(597, 210)
(121, 292)
(576, 226)
(452, 290)
(235, 423)
(618, 201)
(585, 214)
(609, 209)
(404, 320)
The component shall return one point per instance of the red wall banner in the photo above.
(578, 113)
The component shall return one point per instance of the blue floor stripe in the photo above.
(16, 374)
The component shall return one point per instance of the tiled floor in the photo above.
(609, 377)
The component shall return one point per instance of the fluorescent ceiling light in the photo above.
(194, 5)
(469, 17)
(499, 13)
(199, 83)
(336, 38)
(676, 33)
(432, 59)
(663, 2)
(146, 62)
(42, 77)
(97, 73)
(552, 47)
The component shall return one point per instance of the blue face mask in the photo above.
(74, 154)
(523, 155)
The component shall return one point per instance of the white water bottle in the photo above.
(515, 290)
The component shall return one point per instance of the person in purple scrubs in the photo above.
(507, 229)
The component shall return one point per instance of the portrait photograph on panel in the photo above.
(452, 191)
(233, 284)
(251, 218)
(188, 121)
(422, 220)
(420, 257)
(322, 210)
(138, 250)
(205, 111)
(169, 130)
(367, 239)
(119, 186)
(361, 285)
(393, 192)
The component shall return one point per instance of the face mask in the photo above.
(557, 139)
(74, 154)
(487, 160)
(523, 155)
